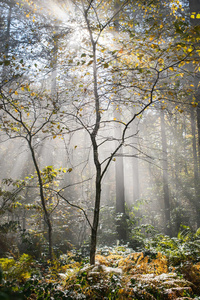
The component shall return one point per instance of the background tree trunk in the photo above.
(195, 8)
(165, 175)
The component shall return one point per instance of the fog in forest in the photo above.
(98, 103)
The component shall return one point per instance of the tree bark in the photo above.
(42, 197)
(119, 186)
(165, 175)
(135, 164)
(120, 198)
(93, 137)
(7, 41)
(195, 7)
(194, 147)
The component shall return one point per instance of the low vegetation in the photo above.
(166, 268)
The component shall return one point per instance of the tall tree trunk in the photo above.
(196, 171)
(96, 215)
(194, 147)
(119, 167)
(120, 198)
(119, 185)
(135, 165)
(165, 175)
(97, 163)
(195, 7)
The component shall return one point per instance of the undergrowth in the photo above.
(166, 268)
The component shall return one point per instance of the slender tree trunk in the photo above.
(93, 137)
(96, 217)
(165, 175)
(119, 177)
(119, 186)
(42, 197)
(120, 198)
(194, 147)
(135, 165)
(119, 167)
(176, 165)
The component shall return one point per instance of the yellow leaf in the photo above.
(10, 90)
(192, 16)
(22, 88)
(54, 136)
(28, 15)
(198, 16)
(33, 94)
(190, 49)
(172, 69)
(16, 92)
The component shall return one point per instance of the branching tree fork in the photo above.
(100, 169)
(27, 131)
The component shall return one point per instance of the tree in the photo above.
(142, 68)
(156, 79)
(23, 119)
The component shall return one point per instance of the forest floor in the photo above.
(119, 273)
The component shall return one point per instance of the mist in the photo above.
(92, 101)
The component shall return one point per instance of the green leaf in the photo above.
(6, 62)
(198, 232)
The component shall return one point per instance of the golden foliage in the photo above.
(137, 263)
(102, 260)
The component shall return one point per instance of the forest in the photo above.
(100, 149)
